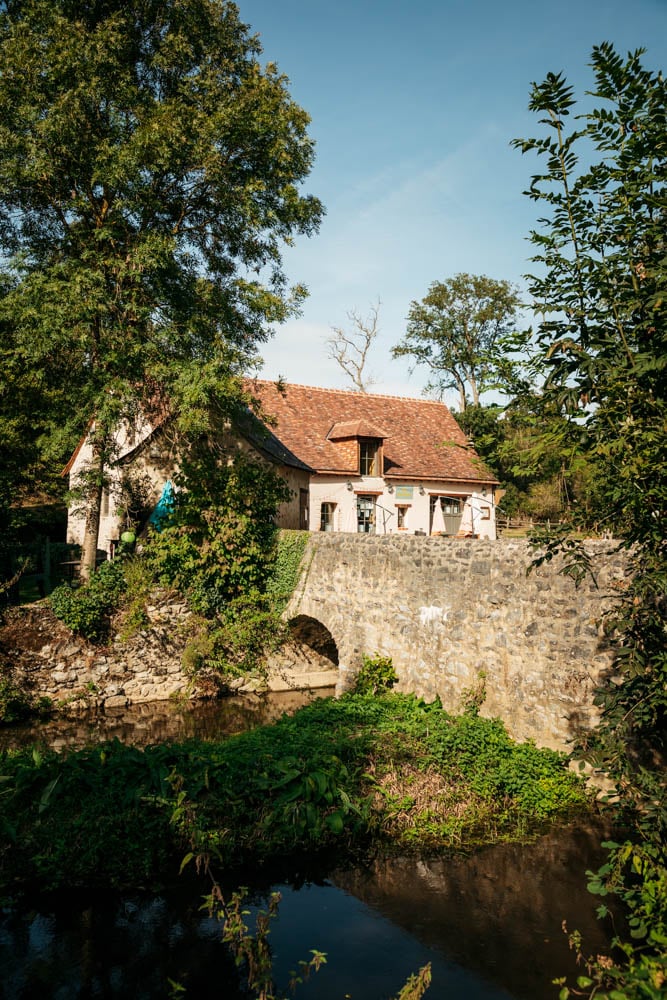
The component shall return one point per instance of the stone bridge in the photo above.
(452, 613)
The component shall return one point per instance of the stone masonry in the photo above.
(447, 610)
(69, 670)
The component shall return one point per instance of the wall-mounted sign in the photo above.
(404, 492)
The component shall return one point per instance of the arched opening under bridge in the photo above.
(308, 660)
(307, 631)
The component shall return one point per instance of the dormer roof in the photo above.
(345, 429)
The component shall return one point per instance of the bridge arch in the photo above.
(311, 632)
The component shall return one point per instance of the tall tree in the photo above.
(150, 172)
(463, 330)
(349, 348)
(601, 288)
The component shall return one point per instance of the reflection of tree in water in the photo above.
(105, 946)
(500, 910)
(497, 913)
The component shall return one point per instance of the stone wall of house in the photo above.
(448, 610)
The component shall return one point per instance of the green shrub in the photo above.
(376, 674)
(87, 610)
(335, 774)
(219, 544)
(239, 640)
(17, 704)
(139, 582)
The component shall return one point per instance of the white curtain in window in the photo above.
(438, 526)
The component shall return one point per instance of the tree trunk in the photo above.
(462, 394)
(93, 513)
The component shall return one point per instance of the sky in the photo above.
(413, 107)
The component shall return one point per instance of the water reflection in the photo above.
(489, 924)
(499, 911)
(161, 721)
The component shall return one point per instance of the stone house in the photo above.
(355, 462)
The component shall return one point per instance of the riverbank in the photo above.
(389, 773)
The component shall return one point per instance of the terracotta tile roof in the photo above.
(421, 438)
(355, 429)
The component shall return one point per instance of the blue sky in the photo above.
(413, 107)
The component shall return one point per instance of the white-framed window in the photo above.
(327, 510)
(369, 457)
(402, 516)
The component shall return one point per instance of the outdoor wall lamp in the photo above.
(350, 486)
(422, 491)
(390, 487)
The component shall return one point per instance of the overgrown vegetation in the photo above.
(219, 548)
(219, 543)
(87, 610)
(288, 552)
(375, 675)
(16, 704)
(601, 288)
(340, 774)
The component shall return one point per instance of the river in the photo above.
(490, 923)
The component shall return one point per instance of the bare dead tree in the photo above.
(350, 349)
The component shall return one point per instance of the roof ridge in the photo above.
(347, 392)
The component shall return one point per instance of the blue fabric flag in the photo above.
(164, 507)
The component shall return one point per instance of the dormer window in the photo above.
(369, 456)
(361, 440)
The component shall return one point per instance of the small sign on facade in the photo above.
(404, 492)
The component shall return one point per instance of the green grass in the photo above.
(388, 771)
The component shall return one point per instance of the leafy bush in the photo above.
(87, 610)
(376, 674)
(139, 582)
(219, 543)
(17, 704)
(239, 640)
(223, 552)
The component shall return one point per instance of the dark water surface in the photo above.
(160, 721)
(490, 924)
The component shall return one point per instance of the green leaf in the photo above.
(185, 862)
(46, 795)
(335, 822)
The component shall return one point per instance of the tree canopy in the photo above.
(600, 286)
(150, 174)
(463, 331)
